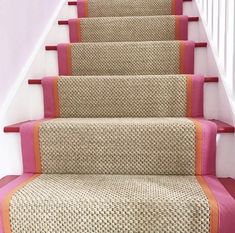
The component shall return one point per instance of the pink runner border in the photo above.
(226, 205)
(187, 57)
(182, 33)
(81, 8)
(73, 30)
(63, 56)
(6, 190)
(28, 145)
(197, 95)
(48, 96)
(209, 132)
(178, 4)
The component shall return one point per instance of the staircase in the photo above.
(124, 145)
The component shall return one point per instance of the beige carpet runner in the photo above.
(126, 58)
(123, 146)
(108, 203)
(148, 146)
(119, 29)
(124, 96)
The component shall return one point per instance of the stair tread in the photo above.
(126, 58)
(124, 96)
(228, 183)
(207, 79)
(107, 203)
(226, 128)
(138, 28)
(190, 18)
(104, 185)
(119, 146)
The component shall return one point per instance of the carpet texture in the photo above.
(112, 206)
(153, 146)
(119, 29)
(123, 146)
(123, 96)
(126, 58)
(114, 203)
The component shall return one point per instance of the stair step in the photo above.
(228, 183)
(123, 96)
(100, 8)
(55, 47)
(127, 58)
(209, 79)
(117, 203)
(74, 3)
(123, 29)
(138, 28)
(222, 127)
(190, 19)
(118, 146)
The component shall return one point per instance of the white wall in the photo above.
(218, 19)
(217, 27)
(22, 23)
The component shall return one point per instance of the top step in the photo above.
(102, 8)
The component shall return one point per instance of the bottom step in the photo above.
(116, 203)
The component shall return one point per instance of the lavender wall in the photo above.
(21, 24)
